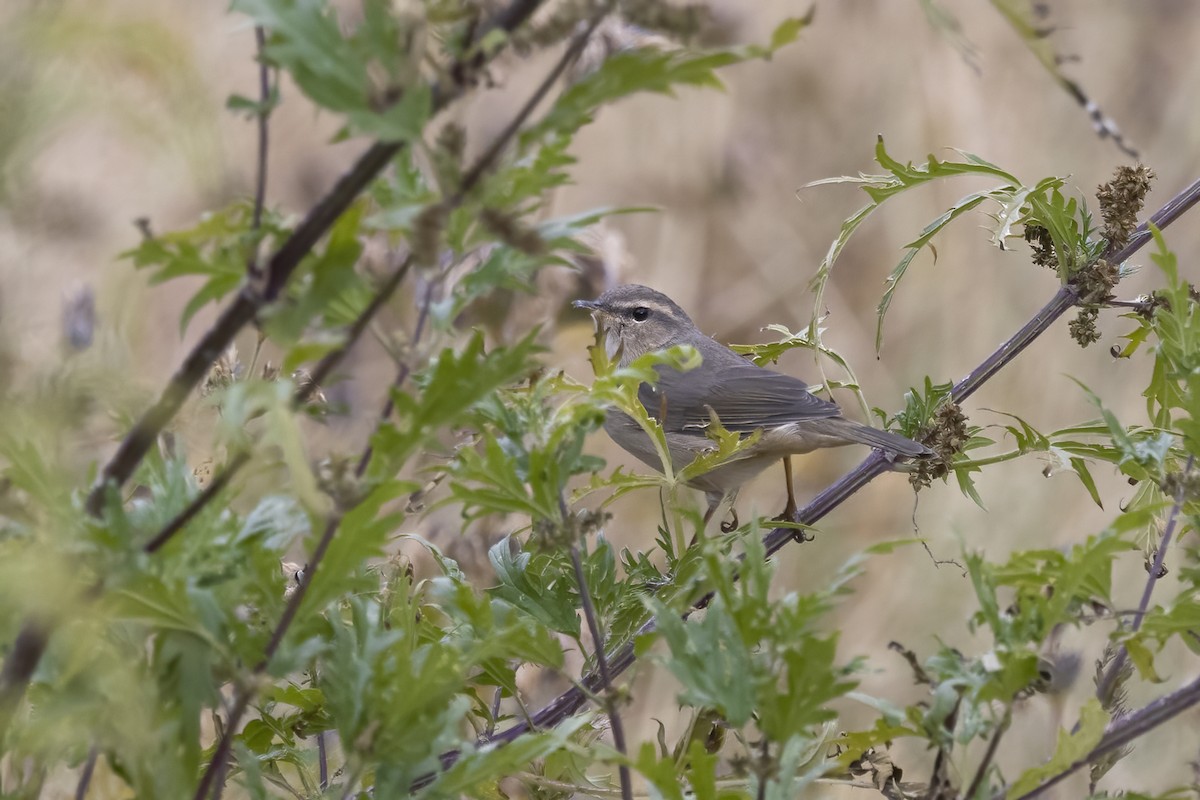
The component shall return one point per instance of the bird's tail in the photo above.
(889, 442)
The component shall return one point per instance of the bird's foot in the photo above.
(730, 525)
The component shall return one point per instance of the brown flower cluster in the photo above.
(946, 436)
(1121, 201)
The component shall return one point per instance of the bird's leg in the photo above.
(789, 511)
(730, 525)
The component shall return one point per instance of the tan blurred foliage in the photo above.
(113, 110)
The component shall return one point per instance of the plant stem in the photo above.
(989, 755)
(610, 700)
(1105, 688)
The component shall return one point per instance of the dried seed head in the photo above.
(946, 436)
(1083, 328)
(308, 390)
(1121, 200)
(1042, 246)
(224, 372)
(1095, 282)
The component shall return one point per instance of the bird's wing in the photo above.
(743, 395)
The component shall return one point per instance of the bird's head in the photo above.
(639, 320)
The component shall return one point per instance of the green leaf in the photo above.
(529, 583)
(453, 383)
(647, 70)
(477, 770)
(1071, 747)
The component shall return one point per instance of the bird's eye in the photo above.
(640, 314)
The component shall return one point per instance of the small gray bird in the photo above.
(744, 396)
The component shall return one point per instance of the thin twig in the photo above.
(198, 503)
(401, 376)
(250, 300)
(495, 709)
(573, 699)
(610, 699)
(989, 754)
(1108, 682)
(264, 98)
(264, 113)
(764, 770)
(322, 761)
(85, 777)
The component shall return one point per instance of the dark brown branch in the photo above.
(22, 660)
(874, 465)
(198, 503)
(280, 267)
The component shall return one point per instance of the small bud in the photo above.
(223, 373)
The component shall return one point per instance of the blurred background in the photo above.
(113, 110)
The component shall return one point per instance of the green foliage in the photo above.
(217, 249)
(1040, 205)
(1070, 748)
(407, 663)
(753, 659)
(369, 76)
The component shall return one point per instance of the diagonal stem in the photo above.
(1107, 683)
(606, 687)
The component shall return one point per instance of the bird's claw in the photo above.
(730, 525)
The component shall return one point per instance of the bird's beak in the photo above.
(590, 305)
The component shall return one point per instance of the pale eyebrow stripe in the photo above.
(654, 305)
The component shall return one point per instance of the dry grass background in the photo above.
(113, 109)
